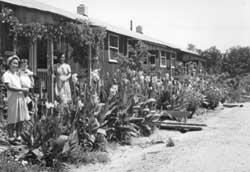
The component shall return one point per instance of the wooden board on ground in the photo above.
(231, 105)
(182, 124)
(180, 128)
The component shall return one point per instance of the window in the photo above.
(163, 59)
(151, 60)
(42, 54)
(113, 47)
(173, 60)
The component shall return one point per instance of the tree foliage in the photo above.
(237, 61)
(192, 47)
(214, 59)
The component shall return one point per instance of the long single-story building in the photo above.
(41, 52)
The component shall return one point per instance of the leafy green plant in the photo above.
(194, 100)
(118, 126)
(8, 163)
(213, 97)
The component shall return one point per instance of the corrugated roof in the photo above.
(190, 52)
(43, 7)
(48, 8)
(129, 33)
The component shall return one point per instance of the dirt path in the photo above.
(223, 146)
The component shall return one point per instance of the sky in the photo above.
(204, 23)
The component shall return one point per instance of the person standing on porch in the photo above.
(62, 86)
(17, 107)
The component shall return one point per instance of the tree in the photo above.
(137, 56)
(237, 61)
(192, 47)
(214, 57)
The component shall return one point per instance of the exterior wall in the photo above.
(192, 61)
(29, 15)
(111, 66)
(26, 15)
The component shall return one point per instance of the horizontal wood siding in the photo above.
(111, 67)
(26, 15)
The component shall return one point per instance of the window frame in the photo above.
(173, 60)
(161, 57)
(111, 47)
(149, 62)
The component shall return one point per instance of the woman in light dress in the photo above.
(17, 107)
(62, 86)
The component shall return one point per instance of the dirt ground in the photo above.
(222, 146)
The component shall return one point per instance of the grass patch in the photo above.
(80, 156)
(88, 157)
(9, 164)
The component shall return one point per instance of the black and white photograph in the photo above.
(124, 85)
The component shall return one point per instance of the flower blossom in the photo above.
(95, 99)
(95, 76)
(147, 79)
(125, 80)
(114, 90)
(80, 104)
(74, 78)
(154, 79)
(142, 78)
(49, 105)
(159, 83)
(56, 103)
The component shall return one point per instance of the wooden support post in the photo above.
(33, 56)
(50, 66)
(170, 72)
(171, 86)
(89, 63)
(15, 44)
(1, 39)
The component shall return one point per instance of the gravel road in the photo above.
(222, 146)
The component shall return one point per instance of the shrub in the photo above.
(213, 96)
(193, 100)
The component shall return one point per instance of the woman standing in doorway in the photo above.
(62, 86)
(17, 107)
